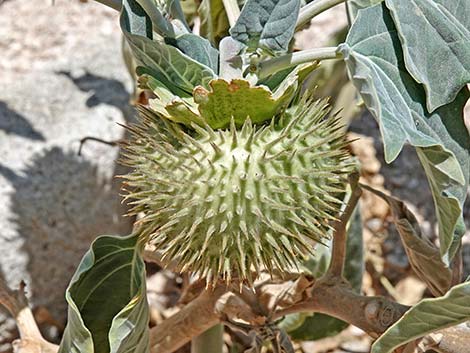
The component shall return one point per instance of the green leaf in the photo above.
(424, 256)
(180, 109)
(169, 64)
(161, 24)
(167, 16)
(199, 49)
(375, 63)
(435, 37)
(427, 316)
(214, 20)
(294, 321)
(145, 73)
(318, 326)
(166, 63)
(238, 99)
(108, 310)
(268, 24)
(135, 20)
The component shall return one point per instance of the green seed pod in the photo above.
(223, 203)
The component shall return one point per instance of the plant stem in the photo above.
(114, 4)
(338, 253)
(232, 10)
(31, 339)
(211, 341)
(314, 8)
(191, 321)
(274, 65)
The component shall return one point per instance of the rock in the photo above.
(363, 148)
(323, 27)
(374, 224)
(63, 79)
(162, 290)
(410, 290)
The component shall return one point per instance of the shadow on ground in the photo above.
(13, 123)
(60, 204)
(100, 88)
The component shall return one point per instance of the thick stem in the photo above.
(232, 10)
(371, 314)
(114, 4)
(338, 253)
(191, 321)
(274, 65)
(314, 8)
(211, 341)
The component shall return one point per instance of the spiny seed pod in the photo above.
(222, 203)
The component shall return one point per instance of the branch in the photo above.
(338, 253)
(279, 63)
(191, 321)
(114, 4)
(313, 9)
(371, 314)
(31, 340)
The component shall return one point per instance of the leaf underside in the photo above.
(428, 316)
(423, 255)
(375, 64)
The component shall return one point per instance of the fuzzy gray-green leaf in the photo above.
(135, 20)
(108, 310)
(427, 316)
(354, 6)
(268, 24)
(375, 63)
(167, 63)
(161, 25)
(435, 37)
(198, 49)
(365, 3)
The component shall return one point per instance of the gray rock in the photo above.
(62, 79)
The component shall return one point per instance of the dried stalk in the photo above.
(31, 340)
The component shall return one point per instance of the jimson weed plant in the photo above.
(241, 177)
